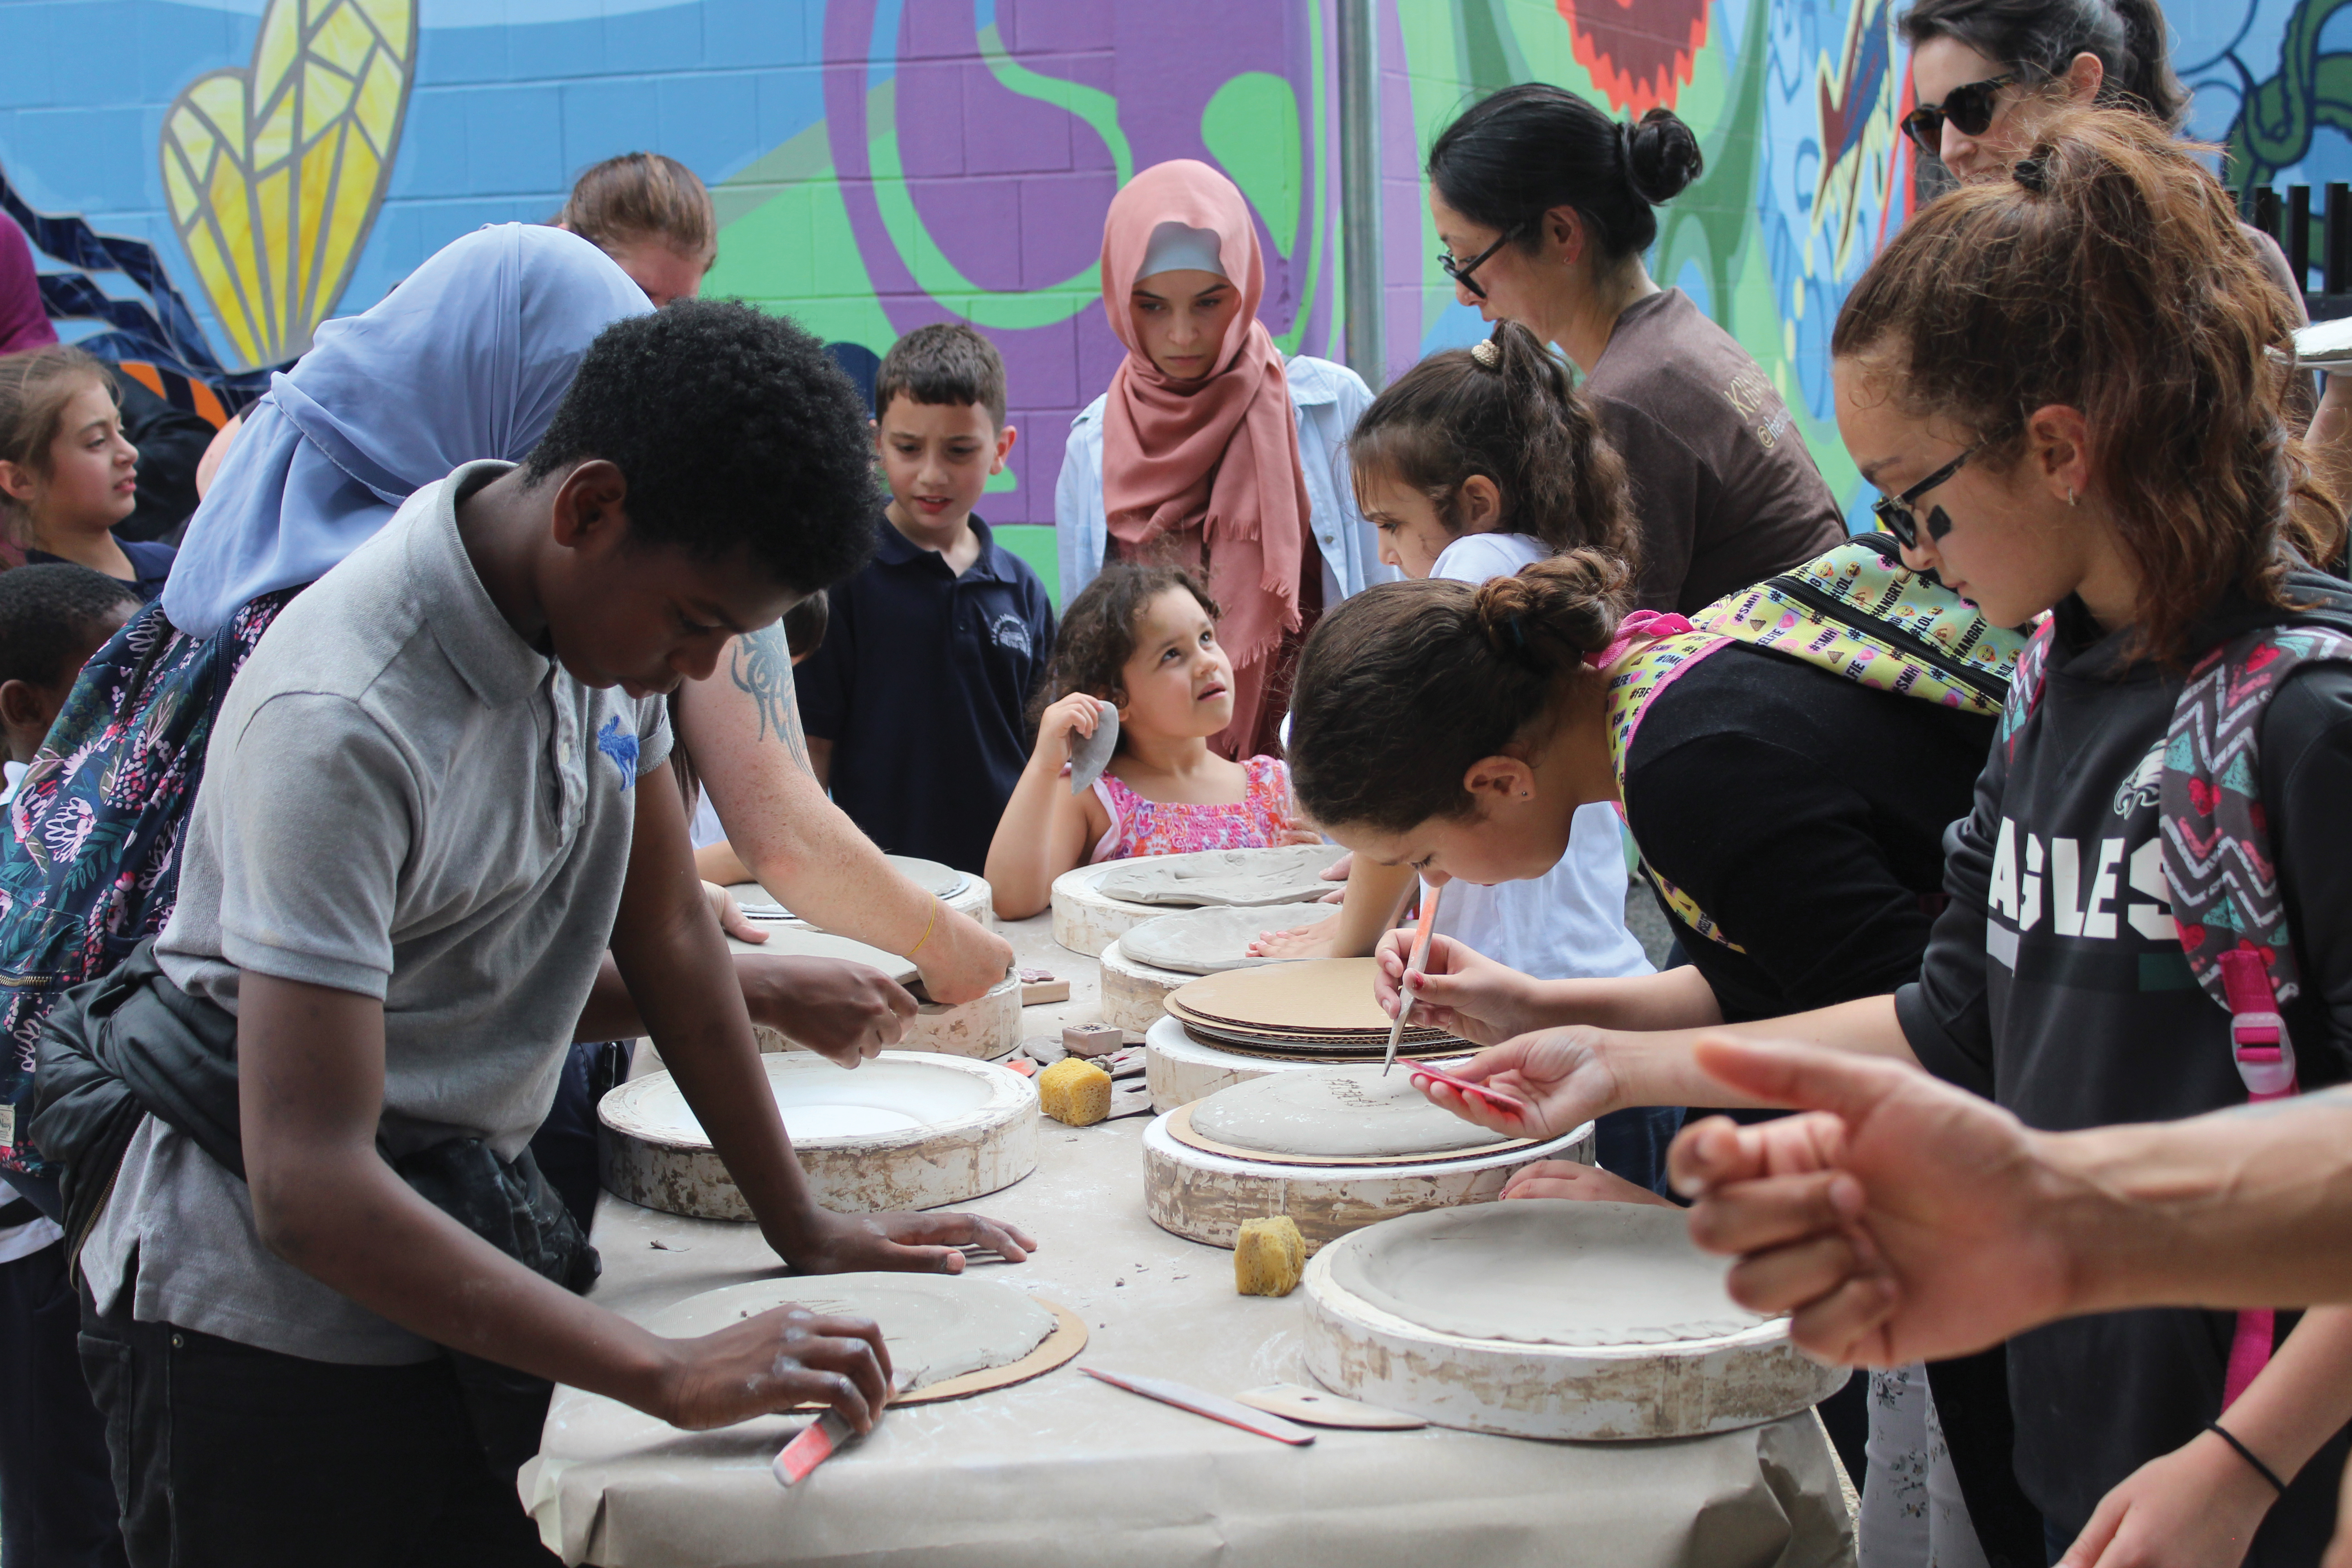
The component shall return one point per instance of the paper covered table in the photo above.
(1067, 1471)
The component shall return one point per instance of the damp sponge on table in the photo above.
(1268, 1257)
(1075, 1092)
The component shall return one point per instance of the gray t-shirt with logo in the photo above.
(405, 800)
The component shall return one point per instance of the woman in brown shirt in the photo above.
(1546, 204)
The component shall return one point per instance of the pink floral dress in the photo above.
(1139, 827)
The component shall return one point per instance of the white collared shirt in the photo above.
(1327, 399)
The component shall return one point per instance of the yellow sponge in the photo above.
(1268, 1257)
(1075, 1091)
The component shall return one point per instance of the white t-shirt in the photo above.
(1570, 922)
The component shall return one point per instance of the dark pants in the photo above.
(565, 1144)
(56, 1500)
(230, 1457)
(1633, 1143)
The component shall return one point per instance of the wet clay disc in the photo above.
(1210, 941)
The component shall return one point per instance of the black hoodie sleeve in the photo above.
(1943, 1012)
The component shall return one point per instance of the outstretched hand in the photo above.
(1904, 1220)
(905, 1242)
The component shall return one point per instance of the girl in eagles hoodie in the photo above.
(2060, 382)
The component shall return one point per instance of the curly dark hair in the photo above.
(47, 611)
(1097, 633)
(735, 430)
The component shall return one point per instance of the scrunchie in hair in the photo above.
(2032, 174)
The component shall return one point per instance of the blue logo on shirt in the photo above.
(621, 745)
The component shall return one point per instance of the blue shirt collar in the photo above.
(896, 550)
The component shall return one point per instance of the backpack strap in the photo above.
(2226, 900)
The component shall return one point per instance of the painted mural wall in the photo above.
(215, 177)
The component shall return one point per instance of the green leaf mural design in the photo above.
(1250, 127)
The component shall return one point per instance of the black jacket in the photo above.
(2055, 985)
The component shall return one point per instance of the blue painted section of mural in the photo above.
(879, 163)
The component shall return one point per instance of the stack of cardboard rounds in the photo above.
(1320, 1010)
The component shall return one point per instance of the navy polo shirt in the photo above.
(150, 564)
(920, 684)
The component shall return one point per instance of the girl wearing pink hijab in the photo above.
(1210, 451)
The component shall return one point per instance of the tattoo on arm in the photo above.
(761, 669)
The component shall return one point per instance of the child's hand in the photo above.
(1559, 1075)
(843, 1012)
(782, 1358)
(1299, 942)
(1578, 1183)
(1299, 833)
(1336, 871)
(1460, 990)
(2197, 1507)
(1080, 714)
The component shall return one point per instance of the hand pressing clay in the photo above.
(1334, 1112)
(1544, 1271)
(1210, 941)
(938, 1326)
(1242, 877)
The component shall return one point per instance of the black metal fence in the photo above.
(2315, 241)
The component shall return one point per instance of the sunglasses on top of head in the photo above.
(1897, 515)
(1971, 108)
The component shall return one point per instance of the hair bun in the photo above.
(1554, 611)
(1662, 156)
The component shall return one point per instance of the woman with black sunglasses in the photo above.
(1546, 204)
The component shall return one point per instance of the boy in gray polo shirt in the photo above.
(432, 800)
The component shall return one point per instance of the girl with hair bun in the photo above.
(1546, 206)
(2061, 383)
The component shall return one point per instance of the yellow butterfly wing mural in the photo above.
(274, 172)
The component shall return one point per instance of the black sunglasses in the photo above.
(1460, 270)
(1971, 108)
(1896, 515)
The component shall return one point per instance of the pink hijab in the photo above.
(24, 323)
(1218, 455)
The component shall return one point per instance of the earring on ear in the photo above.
(2070, 495)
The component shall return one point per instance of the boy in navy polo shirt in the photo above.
(914, 703)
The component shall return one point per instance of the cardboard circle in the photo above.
(1315, 1002)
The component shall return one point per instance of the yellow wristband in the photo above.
(928, 926)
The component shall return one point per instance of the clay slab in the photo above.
(1239, 877)
(1212, 941)
(937, 1326)
(1546, 1272)
(1335, 1111)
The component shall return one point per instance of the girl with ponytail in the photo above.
(2061, 383)
(1546, 204)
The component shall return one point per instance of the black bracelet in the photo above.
(2248, 1455)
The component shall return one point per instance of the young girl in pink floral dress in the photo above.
(1144, 639)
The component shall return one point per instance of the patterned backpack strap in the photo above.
(1859, 613)
(2226, 901)
(2025, 684)
(1633, 684)
(2217, 851)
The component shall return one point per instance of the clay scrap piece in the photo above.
(1545, 1271)
(1252, 878)
(1092, 753)
(938, 1326)
(1212, 940)
(1336, 1113)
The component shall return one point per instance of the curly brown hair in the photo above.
(2109, 274)
(1097, 633)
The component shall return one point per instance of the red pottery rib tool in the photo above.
(813, 1446)
(1215, 1406)
(1415, 964)
(1502, 1103)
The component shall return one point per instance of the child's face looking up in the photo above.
(92, 482)
(1181, 319)
(937, 459)
(1179, 682)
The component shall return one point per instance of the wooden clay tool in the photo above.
(1093, 753)
(1414, 965)
(1215, 1406)
(1317, 1408)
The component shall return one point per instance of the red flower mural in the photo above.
(1639, 52)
